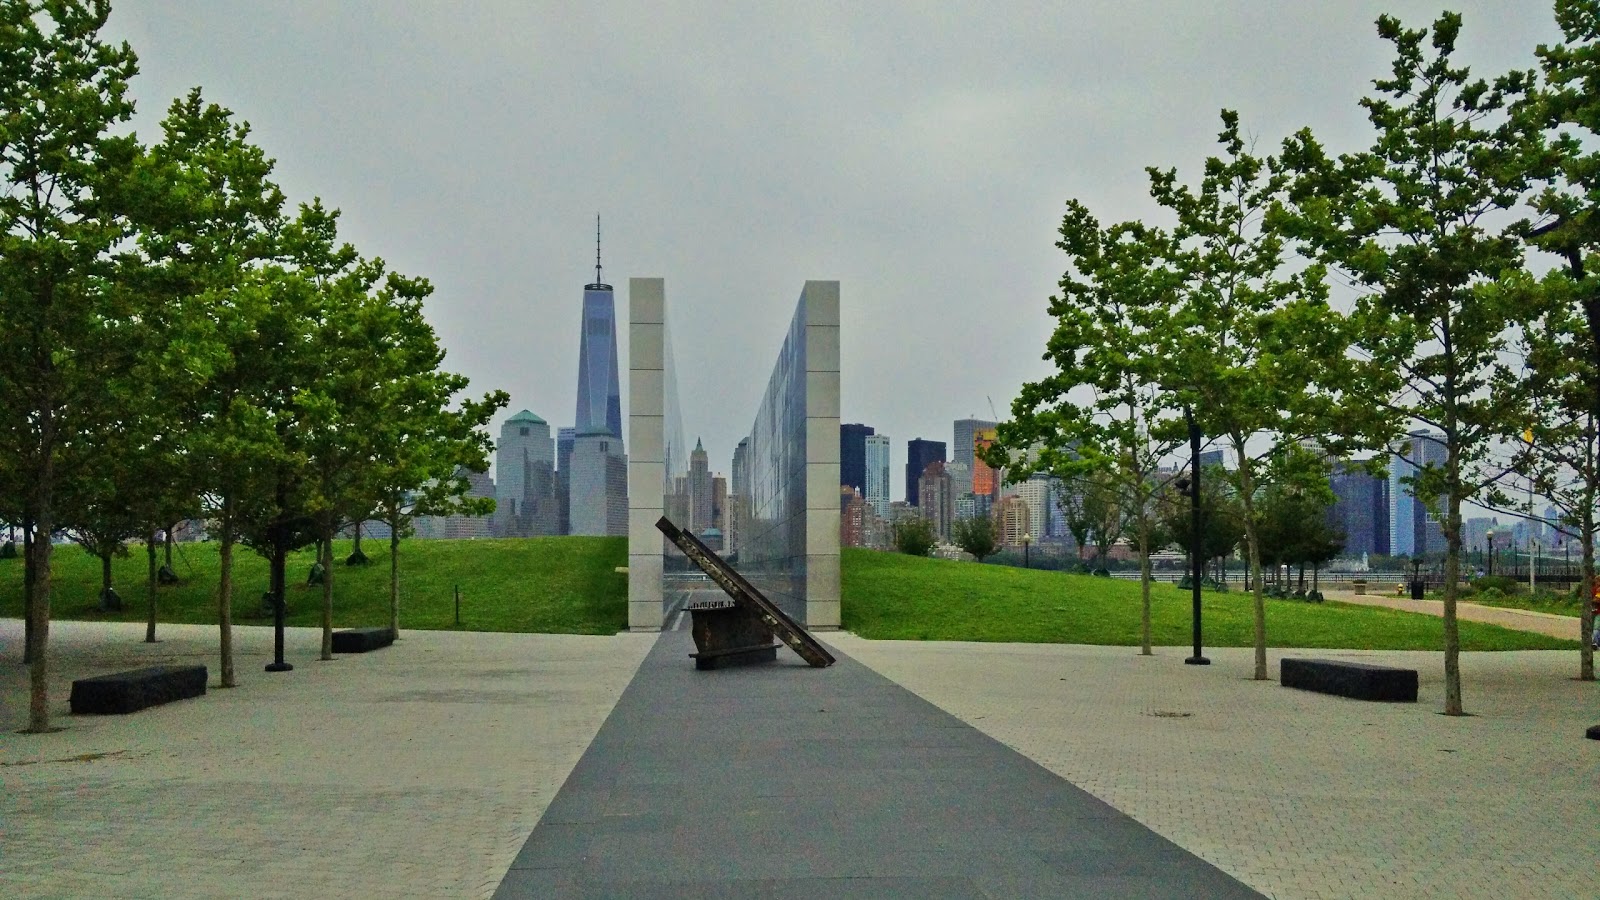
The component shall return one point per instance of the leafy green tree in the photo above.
(1103, 508)
(72, 191)
(1294, 527)
(1256, 352)
(1562, 347)
(213, 270)
(1413, 223)
(419, 443)
(976, 535)
(1070, 503)
(1103, 411)
(327, 395)
(1221, 519)
(914, 536)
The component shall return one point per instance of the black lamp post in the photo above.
(1195, 537)
(1026, 540)
(1491, 553)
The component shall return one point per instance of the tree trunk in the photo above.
(1247, 500)
(167, 540)
(327, 591)
(150, 619)
(225, 594)
(1144, 586)
(1452, 574)
(29, 575)
(44, 524)
(356, 551)
(394, 576)
(105, 573)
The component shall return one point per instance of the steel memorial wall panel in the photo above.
(790, 542)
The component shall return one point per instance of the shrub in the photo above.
(1502, 583)
(914, 536)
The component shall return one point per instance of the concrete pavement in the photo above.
(421, 770)
(1302, 795)
(416, 771)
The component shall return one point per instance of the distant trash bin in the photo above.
(1417, 588)
(1360, 585)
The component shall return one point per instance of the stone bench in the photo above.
(1360, 681)
(126, 692)
(360, 640)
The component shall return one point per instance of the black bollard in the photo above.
(277, 664)
(458, 604)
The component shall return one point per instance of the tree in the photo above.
(1221, 520)
(1103, 411)
(1294, 526)
(327, 394)
(1563, 346)
(420, 443)
(1103, 509)
(976, 535)
(1256, 351)
(71, 192)
(1412, 223)
(212, 269)
(1070, 501)
(914, 536)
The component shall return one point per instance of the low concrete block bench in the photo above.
(1360, 681)
(360, 640)
(126, 692)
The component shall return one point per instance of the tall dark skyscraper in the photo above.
(1359, 508)
(564, 438)
(918, 454)
(597, 485)
(599, 397)
(853, 455)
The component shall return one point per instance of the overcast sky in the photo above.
(920, 154)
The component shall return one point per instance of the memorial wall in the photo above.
(655, 434)
(788, 544)
(789, 548)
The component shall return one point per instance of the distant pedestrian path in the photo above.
(1520, 619)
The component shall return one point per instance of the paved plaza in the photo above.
(1294, 793)
(414, 772)
(421, 771)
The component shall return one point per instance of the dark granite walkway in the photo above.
(786, 781)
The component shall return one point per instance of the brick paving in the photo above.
(1302, 795)
(421, 770)
(415, 771)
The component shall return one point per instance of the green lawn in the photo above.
(569, 585)
(566, 585)
(897, 597)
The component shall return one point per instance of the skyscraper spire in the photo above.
(597, 278)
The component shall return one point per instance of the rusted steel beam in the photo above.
(744, 593)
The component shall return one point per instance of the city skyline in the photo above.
(955, 137)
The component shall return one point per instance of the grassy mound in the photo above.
(566, 585)
(898, 597)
